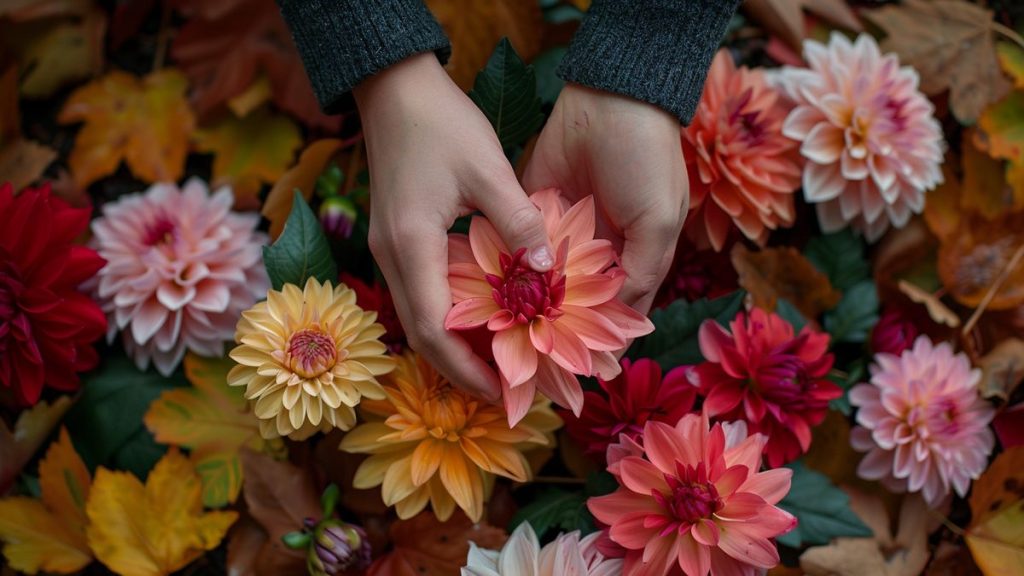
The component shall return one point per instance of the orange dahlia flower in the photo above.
(548, 326)
(429, 441)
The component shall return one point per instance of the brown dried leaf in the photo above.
(949, 42)
(774, 273)
(425, 547)
(32, 427)
(985, 188)
(302, 176)
(938, 311)
(22, 162)
(785, 18)
(830, 452)
(53, 54)
(1002, 369)
(975, 256)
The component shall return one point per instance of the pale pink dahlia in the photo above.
(692, 501)
(181, 268)
(870, 136)
(743, 171)
(522, 555)
(547, 326)
(922, 423)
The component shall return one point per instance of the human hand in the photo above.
(628, 154)
(433, 157)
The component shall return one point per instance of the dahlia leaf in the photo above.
(301, 251)
(840, 256)
(560, 510)
(153, 529)
(785, 309)
(996, 533)
(506, 92)
(674, 340)
(211, 420)
(249, 152)
(855, 315)
(823, 510)
(106, 422)
(49, 534)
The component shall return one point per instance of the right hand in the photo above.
(433, 157)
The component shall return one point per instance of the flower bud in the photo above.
(338, 217)
(337, 546)
(893, 334)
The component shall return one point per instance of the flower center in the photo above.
(311, 353)
(159, 233)
(692, 496)
(525, 292)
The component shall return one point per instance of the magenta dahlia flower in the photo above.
(181, 268)
(893, 333)
(872, 144)
(922, 423)
(765, 375)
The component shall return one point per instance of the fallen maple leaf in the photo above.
(996, 533)
(425, 547)
(30, 430)
(1011, 58)
(302, 176)
(1002, 369)
(22, 161)
(975, 256)
(144, 121)
(949, 43)
(1003, 127)
(153, 529)
(774, 273)
(56, 52)
(785, 18)
(475, 27)
(211, 420)
(49, 534)
(249, 151)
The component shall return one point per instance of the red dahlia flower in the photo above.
(764, 375)
(634, 397)
(377, 298)
(47, 326)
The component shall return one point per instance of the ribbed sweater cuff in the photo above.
(344, 41)
(657, 51)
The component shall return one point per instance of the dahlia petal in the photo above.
(705, 532)
(712, 338)
(569, 351)
(771, 485)
(519, 555)
(470, 313)
(174, 296)
(425, 460)
(800, 122)
(631, 323)
(630, 531)
(665, 446)
(641, 476)
(486, 245)
(466, 280)
(595, 330)
(542, 335)
(517, 400)
(551, 205)
(742, 506)
(397, 484)
(724, 565)
(413, 504)
(463, 484)
(559, 385)
(733, 478)
(592, 289)
(589, 257)
(460, 251)
(824, 144)
(515, 355)
(604, 365)
(578, 224)
(759, 552)
(148, 318)
(658, 557)
(610, 507)
(822, 182)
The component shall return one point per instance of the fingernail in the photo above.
(541, 259)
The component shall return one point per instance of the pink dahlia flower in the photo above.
(522, 555)
(922, 423)
(631, 399)
(547, 326)
(870, 136)
(768, 377)
(743, 171)
(181, 268)
(694, 502)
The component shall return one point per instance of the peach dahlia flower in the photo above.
(550, 326)
(431, 442)
(522, 555)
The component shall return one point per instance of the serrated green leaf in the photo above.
(556, 510)
(823, 510)
(301, 251)
(674, 340)
(855, 315)
(840, 256)
(506, 91)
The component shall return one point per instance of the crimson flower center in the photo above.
(311, 353)
(160, 232)
(525, 292)
(691, 496)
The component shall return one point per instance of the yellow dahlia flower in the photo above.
(431, 441)
(307, 357)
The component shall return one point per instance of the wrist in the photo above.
(410, 76)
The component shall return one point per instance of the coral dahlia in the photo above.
(764, 375)
(47, 326)
(693, 501)
(743, 171)
(307, 357)
(922, 423)
(181, 267)
(430, 441)
(547, 326)
(522, 555)
(869, 135)
(631, 399)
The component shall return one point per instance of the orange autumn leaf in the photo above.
(974, 257)
(423, 546)
(143, 121)
(49, 534)
(153, 529)
(996, 533)
(30, 430)
(1011, 58)
(56, 52)
(785, 18)
(774, 273)
(475, 27)
(302, 176)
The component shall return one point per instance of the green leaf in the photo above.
(855, 315)
(301, 251)
(556, 510)
(106, 422)
(506, 91)
(549, 85)
(840, 256)
(329, 500)
(823, 510)
(785, 309)
(297, 540)
(674, 340)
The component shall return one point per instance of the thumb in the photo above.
(519, 222)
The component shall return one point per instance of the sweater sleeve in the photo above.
(344, 41)
(657, 51)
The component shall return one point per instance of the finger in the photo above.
(647, 254)
(418, 280)
(518, 220)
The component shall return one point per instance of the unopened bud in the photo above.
(337, 546)
(338, 217)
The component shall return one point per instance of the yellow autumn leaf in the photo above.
(998, 544)
(153, 529)
(49, 534)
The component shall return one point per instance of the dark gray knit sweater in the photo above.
(657, 51)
